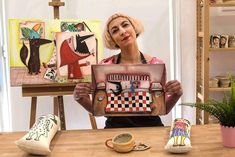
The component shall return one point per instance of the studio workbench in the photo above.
(205, 139)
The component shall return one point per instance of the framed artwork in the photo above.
(33, 49)
(215, 41)
(128, 90)
(231, 41)
(224, 41)
(75, 53)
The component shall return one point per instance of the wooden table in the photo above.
(206, 142)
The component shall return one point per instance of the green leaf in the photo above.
(25, 32)
(40, 31)
(224, 110)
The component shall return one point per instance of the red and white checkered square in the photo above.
(129, 102)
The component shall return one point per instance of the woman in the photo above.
(121, 32)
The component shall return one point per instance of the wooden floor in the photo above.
(21, 76)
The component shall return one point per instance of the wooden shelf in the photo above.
(219, 89)
(222, 49)
(223, 5)
(203, 54)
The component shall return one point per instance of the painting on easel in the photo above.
(73, 62)
(52, 51)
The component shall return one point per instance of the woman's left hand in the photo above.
(173, 87)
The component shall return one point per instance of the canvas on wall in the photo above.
(128, 90)
(33, 50)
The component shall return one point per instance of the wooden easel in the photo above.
(46, 89)
(56, 4)
(57, 90)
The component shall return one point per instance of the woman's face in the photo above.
(122, 32)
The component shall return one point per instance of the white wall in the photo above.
(188, 55)
(155, 41)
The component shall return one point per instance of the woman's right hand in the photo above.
(81, 95)
(82, 90)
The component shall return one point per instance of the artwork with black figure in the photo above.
(128, 89)
(81, 44)
(71, 56)
(117, 88)
(34, 63)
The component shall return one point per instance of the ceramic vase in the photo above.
(228, 136)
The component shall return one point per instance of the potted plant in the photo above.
(224, 111)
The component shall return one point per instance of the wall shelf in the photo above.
(220, 89)
(222, 49)
(223, 5)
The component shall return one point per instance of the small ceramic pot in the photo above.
(213, 83)
(228, 136)
(122, 143)
(224, 81)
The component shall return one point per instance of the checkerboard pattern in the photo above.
(129, 102)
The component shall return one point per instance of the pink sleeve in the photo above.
(109, 60)
(155, 60)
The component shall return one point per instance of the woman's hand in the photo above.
(173, 87)
(82, 90)
(81, 95)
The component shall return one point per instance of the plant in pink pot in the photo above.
(224, 111)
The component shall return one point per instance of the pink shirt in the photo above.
(154, 60)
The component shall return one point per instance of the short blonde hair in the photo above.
(108, 40)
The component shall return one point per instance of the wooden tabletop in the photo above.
(205, 139)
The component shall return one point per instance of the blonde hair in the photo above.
(107, 38)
